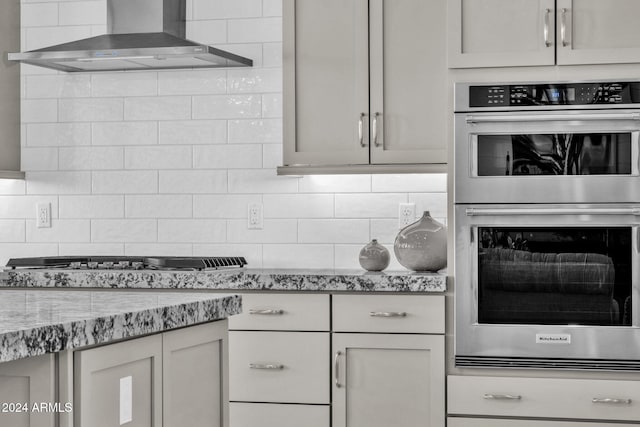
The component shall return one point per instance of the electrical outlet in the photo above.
(43, 215)
(255, 219)
(406, 214)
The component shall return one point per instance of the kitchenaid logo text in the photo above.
(553, 339)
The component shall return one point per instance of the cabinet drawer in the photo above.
(281, 415)
(544, 398)
(280, 312)
(287, 367)
(492, 422)
(389, 313)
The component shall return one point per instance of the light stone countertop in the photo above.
(238, 279)
(35, 322)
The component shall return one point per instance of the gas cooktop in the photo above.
(128, 262)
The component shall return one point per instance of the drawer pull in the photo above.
(502, 397)
(266, 311)
(388, 314)
(336, 368)
(612, 401)
(273, 366)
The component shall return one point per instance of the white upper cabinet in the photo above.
(365, 83)
(500, 33)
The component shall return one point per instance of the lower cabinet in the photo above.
(172, 379)
(278, 415)
(383, 380)
(489, 422)
(25, 385)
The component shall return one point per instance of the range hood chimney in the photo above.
(142, 35)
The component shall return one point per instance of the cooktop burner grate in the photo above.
(128, 262)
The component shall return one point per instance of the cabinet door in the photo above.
(27, 382)
(326, 82)
(598, 32)
(497, 33)
(119, 384)
(491, 422)
(408, 71)
(195, 377)
(383, 380)
(279, 415)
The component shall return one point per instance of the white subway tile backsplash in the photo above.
(159, 249)
(192, 132)
(298, 205)
(226, 106)
(274, 231)
(19, 250)
(255, 80)
(368, 205)
(124, 84)
(13, 186)
(91, 158)
(158, 206)
(124, 230)
(255, 30)
(272, 105)
(272, 53)
(193, 82)
(58, 86)
(298, 256)
(84, 249)
(333, 230)
(12, 230)
(271, 7)
(252, 131)
(335, 184)
(227, 156)
(193, 181)
(40, 37)
(83, 13)
(157, 108)
(192, 230)
(224, 9)
(223, 206)
(158, 157)
(39, 110)
(124, 133)
(39, 159)
(212, 32)
(58, 134)
(260, 181)
(435, 203)
(75, 207)
(90, 109)
(410, 183)
(56, 182)
(62, 230)
(124, 182)
(38, 14)
(271, 156)
(385, 230)
(21, 207)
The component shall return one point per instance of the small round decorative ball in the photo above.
(374, 256)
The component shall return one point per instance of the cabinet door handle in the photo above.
(563, 27)
(502, 397)
(547, 14)
(611, 401)
(388, 314)
(374, 129)
(267, 311)
(336, 368)
(272, 366)
(361, 130)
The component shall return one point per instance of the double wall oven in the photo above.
(547, 225)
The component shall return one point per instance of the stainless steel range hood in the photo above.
(142, 35)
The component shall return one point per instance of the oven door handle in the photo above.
(551, 211)
(505, 118)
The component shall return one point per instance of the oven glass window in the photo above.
(554, 275)
(554, 154)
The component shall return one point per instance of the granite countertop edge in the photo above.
(36, 322)
(232, 279)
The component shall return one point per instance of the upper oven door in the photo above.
(547, 157)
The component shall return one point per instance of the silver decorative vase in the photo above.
(374, 256)
(422, 246)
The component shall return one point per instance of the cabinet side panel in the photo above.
(9, 87)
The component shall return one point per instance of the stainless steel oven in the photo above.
(547, 226)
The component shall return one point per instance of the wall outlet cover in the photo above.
(406, 214)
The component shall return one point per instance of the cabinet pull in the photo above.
(547, 14)
(266, 311)
(388, 314)
(563, 27)
(336, 368)
(361, 130)
(502, 397)
(272, 366)
(611, 400)
(374, 129)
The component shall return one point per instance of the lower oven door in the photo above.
(547, 157)
(547, 286)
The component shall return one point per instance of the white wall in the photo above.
(165, 162)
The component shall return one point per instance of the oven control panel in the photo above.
(609, 93)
